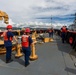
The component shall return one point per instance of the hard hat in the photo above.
(27, 30)
(9, 27)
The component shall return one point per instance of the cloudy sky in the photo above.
(61, 11)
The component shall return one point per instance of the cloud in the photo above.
(11, 22)
(21, 11)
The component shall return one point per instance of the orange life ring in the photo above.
(71, 40)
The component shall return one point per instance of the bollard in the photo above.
(46, 40)
(18, 32)
(33, 54)
(34, 37)
(19, 54)
(51, 39)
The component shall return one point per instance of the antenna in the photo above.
(51, 20)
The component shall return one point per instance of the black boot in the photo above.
(27, 64)
(9, 60)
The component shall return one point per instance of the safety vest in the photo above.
(6, 37)
(25, 41)
(50, 30)
(64, 29)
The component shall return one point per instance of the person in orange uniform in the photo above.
(8, 37)
(26, 45)
(63, 33)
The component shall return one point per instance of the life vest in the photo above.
(6, 37)
(25, 41)
(64, 29)
(50, 30)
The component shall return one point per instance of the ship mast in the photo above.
(75, 19)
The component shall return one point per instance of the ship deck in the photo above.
(54, 58)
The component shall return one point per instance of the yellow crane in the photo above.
(4, 16)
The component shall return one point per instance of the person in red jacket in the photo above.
(26, 45)
(8, 37)
(63, 33)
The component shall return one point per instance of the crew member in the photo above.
(50, 33)
(8, 37)
(26, 45)
(63, 33)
